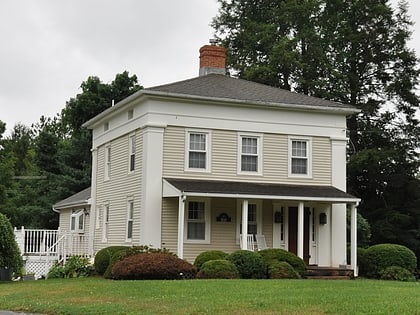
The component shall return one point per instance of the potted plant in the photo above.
(10, 258)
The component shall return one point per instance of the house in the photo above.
(211, 162)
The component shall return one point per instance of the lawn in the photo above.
(99, 296)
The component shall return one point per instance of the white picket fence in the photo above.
(42, 248)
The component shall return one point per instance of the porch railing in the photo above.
(35, 242)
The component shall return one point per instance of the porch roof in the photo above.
(173, 187)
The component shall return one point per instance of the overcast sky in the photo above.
(50, 47)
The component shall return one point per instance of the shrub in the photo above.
(103, 257)
(10, 256)
(397, 273)
(381, 256)
(218, 269)
(361, 260)
(75, 267)
(207, 256)
(130, 251)
(157, 266)
(250, 265)
(282, 270)
(276, 254)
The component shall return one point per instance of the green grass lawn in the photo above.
(99, 296)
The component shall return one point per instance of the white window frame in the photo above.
(308, 142)
(130, 219)
(131, 152)
(207, 221)
(77, 217)
(258, 204)
(105, 222)
(207, 150)
(259, 153)
(107, 162)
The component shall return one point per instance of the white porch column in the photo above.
(181, 215)
(300, 231)
(244, 224)
(353, 241)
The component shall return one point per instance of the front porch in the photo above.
(40, 249)
(308, 221)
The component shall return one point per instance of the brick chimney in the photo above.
(212, 60)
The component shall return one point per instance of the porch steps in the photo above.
(328, 273)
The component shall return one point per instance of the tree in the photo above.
(9, 250)
(354, 52)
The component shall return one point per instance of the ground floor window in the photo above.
(197, 221)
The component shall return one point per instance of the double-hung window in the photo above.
(130, 217)
(249, 153)
(197, 151)
(300, 157)
(105, 226)
(197, 221)
(77, 221)
(254, 218)
(131, 153)
(107, 172)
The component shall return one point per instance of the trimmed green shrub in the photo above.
(250, 265)
(361, 260)
(10, 256)
(103, 258)
(75, 267)
(218, 269)
(276, 254)
(207, 256)
(397, 273)
(131, 251)
(379, 257)
(156, 266)
(282, 270)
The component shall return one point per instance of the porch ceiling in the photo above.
(191, 187)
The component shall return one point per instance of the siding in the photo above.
(117, 190)
(224, 158)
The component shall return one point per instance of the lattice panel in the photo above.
(40, 267)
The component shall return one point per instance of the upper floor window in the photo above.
(197, 150)
(107, 162)
(249, 154)
(131, 152)
(77, 221)
(300, 157)
(130, 114)
(105, 225)
(197, 221)
(106, 126)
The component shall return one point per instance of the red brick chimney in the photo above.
(212, 60)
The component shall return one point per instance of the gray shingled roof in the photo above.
(224, 87)
(79, 198)
(259, 189)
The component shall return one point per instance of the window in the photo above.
(107, 162)
(77, 221)
(249, 147)
(300, 157)
(197, 151)
(130, 215)
(105, 227)
(197, 221)
(106, 126)
(130, 114)
(131, 152)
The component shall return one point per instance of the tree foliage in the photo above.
(52, 160)
(354, 52)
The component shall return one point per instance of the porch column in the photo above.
(300, 231)
(353, 241)
(92, 212)
(244, 224)
(181, 215)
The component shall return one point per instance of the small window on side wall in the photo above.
(77, 221)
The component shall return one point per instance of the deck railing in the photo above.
(34, 242)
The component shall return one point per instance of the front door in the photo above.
(293, 223)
